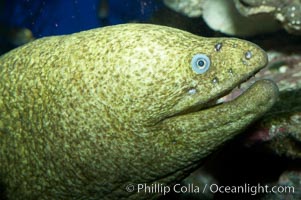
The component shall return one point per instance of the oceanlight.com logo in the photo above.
(158, 188)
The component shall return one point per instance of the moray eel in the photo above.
(84, 115)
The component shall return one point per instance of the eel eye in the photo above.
(200, 63)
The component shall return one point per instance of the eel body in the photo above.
(84, 115)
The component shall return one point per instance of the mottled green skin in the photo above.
(83, 115)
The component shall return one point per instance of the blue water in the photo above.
(56, 17)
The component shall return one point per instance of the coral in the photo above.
(190, 8)
(241, 17)
(288, 12)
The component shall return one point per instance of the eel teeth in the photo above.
(237, 91)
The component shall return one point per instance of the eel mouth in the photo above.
(225, 97)
(235, 92)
